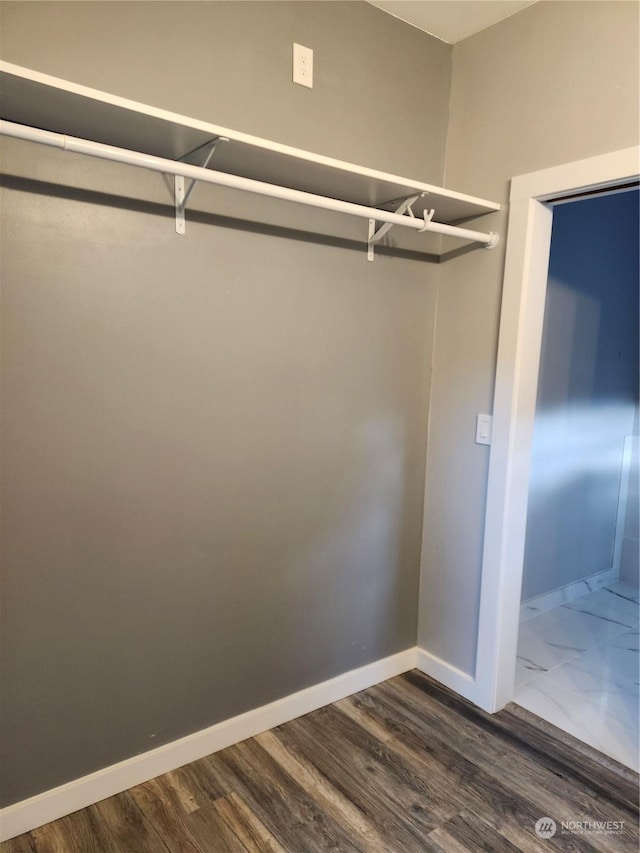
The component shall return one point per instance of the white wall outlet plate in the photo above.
(303, 65)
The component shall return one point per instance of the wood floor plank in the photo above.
(320, 788)
(170, 789)
(283, 806)
(466, 832)
(247, 827)
(383, 730)
(352, 784)
(367, 716)
(21, 844)
(212, 831)
(548, 746)
(394, 804)
(127, 825)
(459, 779)
(407, 786)
(526, 749)
(198, 784)
(510, 816)
(48, 839)
(508, 769)
(82, 832)
(519, 767)
(155, 801)
(182, 793)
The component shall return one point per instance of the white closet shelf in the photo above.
(104, 125)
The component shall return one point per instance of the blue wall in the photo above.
(587, 392)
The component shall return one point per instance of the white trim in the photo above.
(523, 297)
(607, 170)
(460, 682)
(80, 793)
(569, 592)
(623, 496)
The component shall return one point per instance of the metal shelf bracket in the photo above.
(374, 236)
(202, 153)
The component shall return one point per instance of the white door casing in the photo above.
(521, 321)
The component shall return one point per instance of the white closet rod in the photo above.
(210, 176)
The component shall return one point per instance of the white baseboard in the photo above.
(57, 802)
(558, 597)
(460, 682)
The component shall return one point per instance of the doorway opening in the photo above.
(519, 347)
(577, 662)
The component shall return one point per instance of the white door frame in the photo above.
(522, 313)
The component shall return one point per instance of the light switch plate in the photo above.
(483, 429)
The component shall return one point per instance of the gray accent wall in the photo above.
(214, 446)
(587, 392)
(555, 83)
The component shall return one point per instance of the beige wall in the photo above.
(555, 83)
(230, 63)
(214, 446)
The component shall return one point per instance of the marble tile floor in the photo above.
(578, 668)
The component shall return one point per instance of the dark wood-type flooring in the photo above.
(403, 767)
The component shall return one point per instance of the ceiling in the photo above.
(452, 20)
